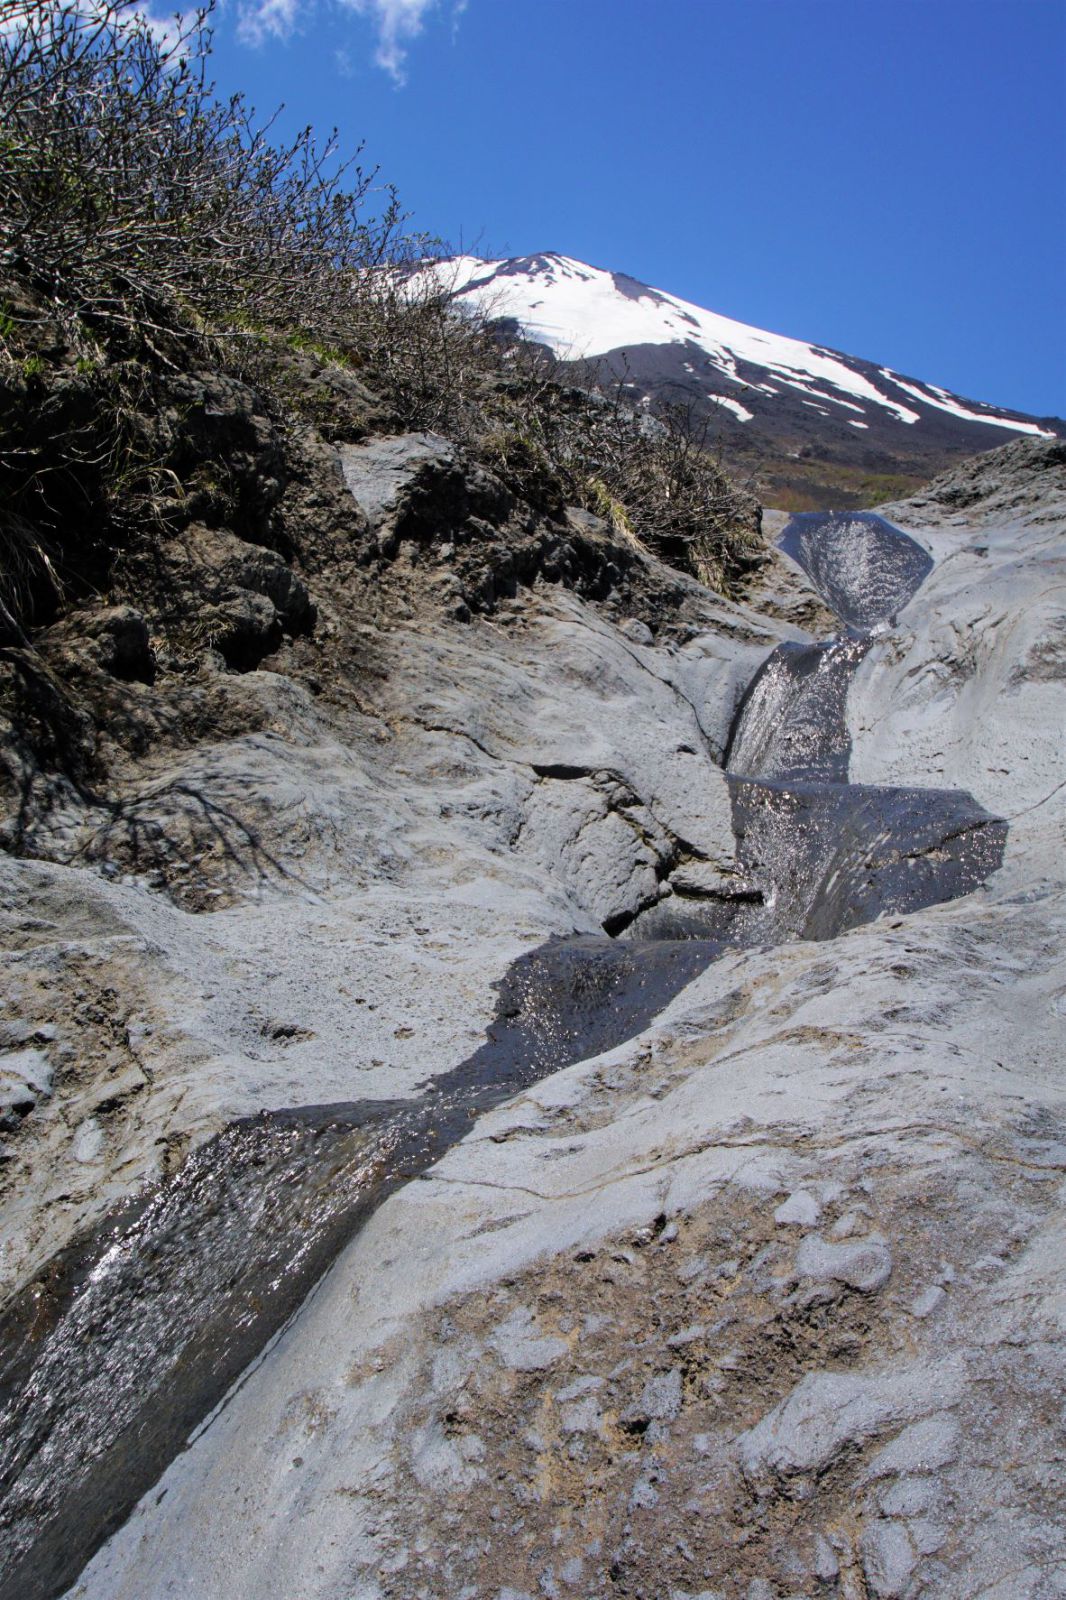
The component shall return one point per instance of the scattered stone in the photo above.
(88, 1141)
(643, 1495)
(521, 1347)
(925, 1446)
(586, 1416)
(660, 1401)
(825, 1412)
(580, 1386)
(694, 1266)
(636, 632)
(123, 644)
(25, 1078)
(888, 1559)
(865, 1265)
(928, 1301)
(688, 1335)
(826, 1566)
(909, 1497)
(849, 1223)
(800, 1210)
(380, 471)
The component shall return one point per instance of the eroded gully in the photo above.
(126, 1341)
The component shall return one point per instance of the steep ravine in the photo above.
(126, 1341)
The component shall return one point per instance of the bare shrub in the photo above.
(128, 193)
(144, 226)
(655, 479)
(147, 226)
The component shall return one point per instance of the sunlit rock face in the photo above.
(719, 1241)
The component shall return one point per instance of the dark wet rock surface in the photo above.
(864, 569)
(791, 721)
(834, 856)
(128, 1340)
(830, 854)
(817, 855)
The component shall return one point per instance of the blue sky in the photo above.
(887, 177)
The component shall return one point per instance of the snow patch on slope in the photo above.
(944, 401)
(734, 406)
(582, 312)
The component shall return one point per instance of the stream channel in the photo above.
(125, 1342)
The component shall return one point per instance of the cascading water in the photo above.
(830, 854)
(864, 569)
(130, 1337)
(791, 722)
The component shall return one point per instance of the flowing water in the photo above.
(864, 569)
(829, 854)
(128, 1339)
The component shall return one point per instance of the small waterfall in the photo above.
(791, 722)
(815, 854)
(864, 569)
(828, 854)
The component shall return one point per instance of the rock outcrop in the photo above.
(748, 1287)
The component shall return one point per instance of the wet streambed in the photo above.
(126, 1342)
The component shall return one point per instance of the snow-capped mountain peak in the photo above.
(799, 398)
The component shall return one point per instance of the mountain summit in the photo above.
(814, 424)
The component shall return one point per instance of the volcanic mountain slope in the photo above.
(816, 427)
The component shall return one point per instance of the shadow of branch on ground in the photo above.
(175, 834)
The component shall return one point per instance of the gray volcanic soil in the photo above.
(754, 1301)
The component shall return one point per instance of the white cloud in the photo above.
(260, 20)
(397, 23)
